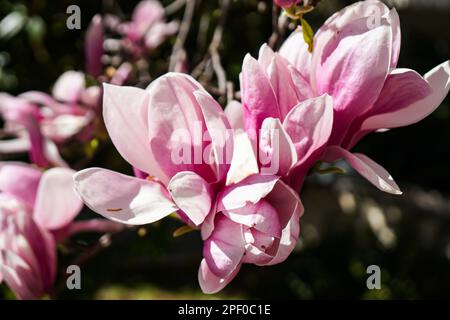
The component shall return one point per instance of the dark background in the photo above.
(348, 224)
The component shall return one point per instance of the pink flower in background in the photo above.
(280, 113)
(354, 60)
(153, 130)
(147, 25)
(93, 46)
(39, 122)
(36, 210)
(256, 221)
(27, 251)
(32, 204)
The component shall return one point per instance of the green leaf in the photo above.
(308, 34)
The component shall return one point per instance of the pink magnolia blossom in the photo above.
(256, 221)
(27, 251)
(150, 128)
(32, 204)
(147, 25)
(355, 61)
(39, 122)
(282, 117)
(36, 210)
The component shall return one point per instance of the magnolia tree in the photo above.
(227, 163)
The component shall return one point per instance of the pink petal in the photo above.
(309, 125)
(51, 153)
(38, 97)
(145, 14)
(402, 88)
(57, 204)
(37, 141)
(295, 50)
(286, 202)
(287, 83)
(370, 170)
(208, 224)
(277, 153)
(39, 249)
(69, 86)
(282, 85)
(234, 112)
(439, 80)
(177, 128)
(122, 198)
(122, 74)
(209, 282)
(289, 237)
(125, 111)
(19, 276)
(63, 127)
(302, 86)
(372, 11)
(159, 32)
(20, 180)
(261, 216)
(265, 56)
(91, 97)
(258, 97)
(219, 131)
(255, 255)
(251, 189)
(223, 253)
(244, 162)
(352, 68)
(192, 194)
(17, 110)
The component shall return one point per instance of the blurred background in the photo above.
(348, 224)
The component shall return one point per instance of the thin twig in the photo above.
(212, 57)
(174, 7)
(103, 243)
(215, 45)
(182, 34)
(202, 36)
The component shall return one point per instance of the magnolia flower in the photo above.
(174, 133)
(32, 205)
(36, 210)
(256, 221)
(27, 251)
(282, 117)
(355, 61)
(147, 25)
(39, 121)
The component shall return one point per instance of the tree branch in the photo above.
(182, 34)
